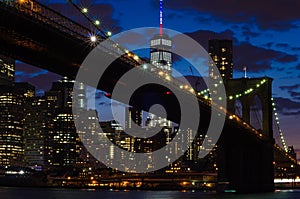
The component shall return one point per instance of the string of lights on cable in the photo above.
(278, 126)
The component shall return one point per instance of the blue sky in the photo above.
(265, 36)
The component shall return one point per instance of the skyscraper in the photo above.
(161, 57)
(7, 70)
(64, 141)
(12, 100)
(161, 47)
(133, 116)
(221, 54)
(160, 53)
(11, 129)
(35, 132)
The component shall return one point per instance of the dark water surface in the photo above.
(50, 193)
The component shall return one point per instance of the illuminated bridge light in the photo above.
(109, 33)
(145, 66)
(84, 10)
(135, 57)
(93, 38)
(97, 22)
(168, 77)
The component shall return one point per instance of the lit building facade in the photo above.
(37, 120)
(12, 100)
(134, 116)
(221, 54)
(63, 145)
(160, 53)
(11, 128)
(7, 70)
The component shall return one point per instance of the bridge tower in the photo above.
(256, 87)
(246, 155)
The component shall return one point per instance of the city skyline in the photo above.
(65, 133)
(266, 45)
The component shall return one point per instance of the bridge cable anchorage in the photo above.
(278, 126)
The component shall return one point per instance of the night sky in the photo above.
(264, 33)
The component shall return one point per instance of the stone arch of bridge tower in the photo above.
(238, 108)
(256, 112)
(263, 91)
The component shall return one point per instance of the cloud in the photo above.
(258, 58)
(290, 88)
(269, 44)
(295, 49)
(39, 78)
(286, 106)
(203, 36)
(282, 45)
(244, 53)
(295, 95)
(267, 14)
(99, 11)
(248, 33)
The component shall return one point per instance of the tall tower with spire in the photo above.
(161, 57)
(161, 46)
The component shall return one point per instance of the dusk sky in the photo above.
(265, 36)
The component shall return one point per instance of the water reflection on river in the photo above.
(47, 193)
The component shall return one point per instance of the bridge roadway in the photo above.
(44, 38)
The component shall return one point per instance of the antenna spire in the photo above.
(160, 17)
(245, 71)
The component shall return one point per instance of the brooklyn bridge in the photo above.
(248, 158)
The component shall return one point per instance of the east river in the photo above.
(51, 193)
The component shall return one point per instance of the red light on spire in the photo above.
(108, 95)
(161, 17)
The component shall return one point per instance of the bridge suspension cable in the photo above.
(283, 142)
(96, 23)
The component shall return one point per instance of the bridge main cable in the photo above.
(84, 13)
